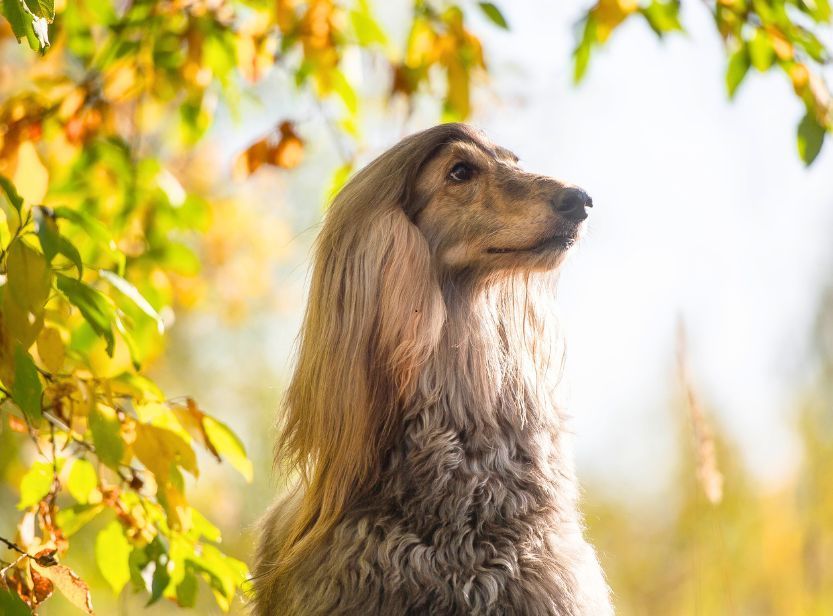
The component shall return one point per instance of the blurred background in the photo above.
(698, 311)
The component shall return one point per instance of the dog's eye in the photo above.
(461, 172)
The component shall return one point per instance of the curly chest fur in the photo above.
(461, 523)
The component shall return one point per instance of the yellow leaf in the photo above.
(609, 14)
(70, 585)
(51, 348)
(30, 177)
(157, 448)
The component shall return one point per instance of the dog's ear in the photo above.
(375, 313)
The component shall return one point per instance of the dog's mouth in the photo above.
(561, 241)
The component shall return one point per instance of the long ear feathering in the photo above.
(374, 316)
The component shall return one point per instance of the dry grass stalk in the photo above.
(708, 473)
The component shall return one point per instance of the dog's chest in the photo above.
(459, 525)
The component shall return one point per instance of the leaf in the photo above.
(810, 138)
(663, 17)
(739, 63)
(42, 8)
(227, 444)
(158, 448)
(20, 22)
(30, 176)
(581, 55)
(36, 483)
(112, 555)
(91, 226)
(290, 149)
(71, 586)
(136, 386)
(494, 14)
(201, 527)
(51, 348)
(107, 438)
(159, 582)
(225, 574)
(367, 29)
(53, 243)
(71, 520)
(27, 389)
(11, 604)
(83, 481)
(345, 92)
(192, 419)
(761, 52)
(132, 293)
(11, 193)
(93, 306)
(186, 590)
(29, 277)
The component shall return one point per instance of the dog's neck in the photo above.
(484, 429)
(499, 358)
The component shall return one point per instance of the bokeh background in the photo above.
(698, 311)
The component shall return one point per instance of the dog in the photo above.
(433, 463)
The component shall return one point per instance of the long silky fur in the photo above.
(433, 461)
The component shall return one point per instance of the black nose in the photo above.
(573, 203)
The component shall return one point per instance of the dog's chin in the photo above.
(556, 243)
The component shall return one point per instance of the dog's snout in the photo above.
(573, 203)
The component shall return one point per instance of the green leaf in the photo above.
(761, 53)
(36, 483)
(663, 17)
(132, 293)
(71, 520)
(810, 138)
(186, 590)
(179, 258)
(83, 481)
(225, 574)
(53, 243)
(227, 444)
(20, 22)
(91, 226)
(345, 91)
(27, 389)
(93, 306)
(494, 14)
(739, 63)
(107, 438)
(11, 604)
(202, 528)
(160, 580)
(581, 55)
(11, 193)
(366, 28)
(42, 8)
(112, 555)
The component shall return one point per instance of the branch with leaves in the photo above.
(764, 35)
(105, 235)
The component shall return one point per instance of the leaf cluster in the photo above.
(765, 35)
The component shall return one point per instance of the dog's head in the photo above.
(480, 211)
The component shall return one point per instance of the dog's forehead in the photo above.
(476, 148)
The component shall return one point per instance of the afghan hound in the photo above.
(433, 461)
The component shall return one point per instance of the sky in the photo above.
(703, 213)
